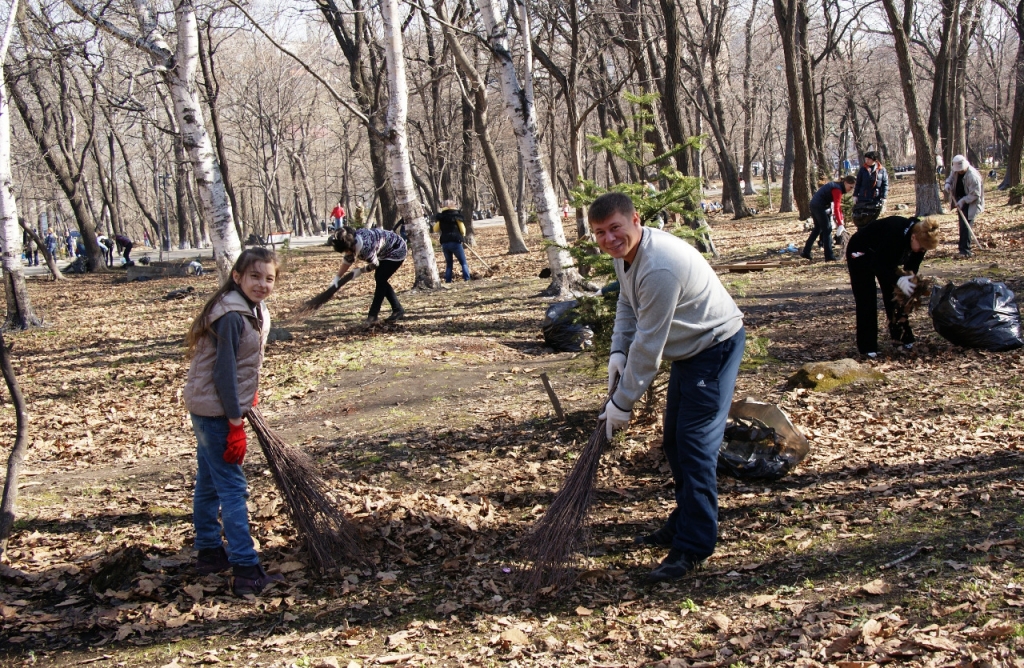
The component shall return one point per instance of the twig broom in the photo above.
(552, 545)
(319, 300)
(332, 540)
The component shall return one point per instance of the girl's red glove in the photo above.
(235, 452)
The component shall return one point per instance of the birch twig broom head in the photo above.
(552, 545)
(332, 540)
(312, 304)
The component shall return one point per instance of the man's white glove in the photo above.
(357, 272)
(336, 283)
(614, 418)
(854, 200)
(840, 230)
(616, 366)
(906, 284)
(881, 206)
(960, 203)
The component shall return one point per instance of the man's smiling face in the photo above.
(618, 235)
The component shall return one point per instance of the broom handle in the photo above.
(970, 230)
(486, 266)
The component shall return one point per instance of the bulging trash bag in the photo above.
(561, 332)
(760, 442)
(981, 313)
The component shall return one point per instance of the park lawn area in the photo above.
(900, 539)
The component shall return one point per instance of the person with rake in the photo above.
(672, 306)
(226, 343)
(876, 253)
(384, 252)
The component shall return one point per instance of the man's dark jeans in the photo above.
(700, 393)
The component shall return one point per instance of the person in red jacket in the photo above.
(830, 194)
(338, 214)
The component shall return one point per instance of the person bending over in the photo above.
(829, 195)
(876, 253)
(383, 251)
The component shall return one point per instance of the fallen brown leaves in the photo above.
(897, 541)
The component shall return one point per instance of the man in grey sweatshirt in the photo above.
(672, 306)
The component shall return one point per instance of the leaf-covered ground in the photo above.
(898, 540)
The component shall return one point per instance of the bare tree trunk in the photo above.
(469, 202)
(670, 93)
(522, 113)
(180, 200)
(212, 89)
(1016, 153)
(10, 498)
(420, 246)
(749, 100)
(51, 261)
(19, 306)
(926, 188)
(791, 18)
(786, 203)
(516, 244)
(179, 70)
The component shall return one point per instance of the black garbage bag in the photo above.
(981, 313)
(760, 442)
(562, 332)
(80, 265)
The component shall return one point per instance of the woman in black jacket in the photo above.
(876, 252)
(453, 232)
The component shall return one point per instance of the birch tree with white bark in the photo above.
(19, 306)
(398, 152)
(178, 68)
(520, 106)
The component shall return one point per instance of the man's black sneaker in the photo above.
(660, 538)
(396, 315)
(212, 560)
(252, 579)
(674, 566)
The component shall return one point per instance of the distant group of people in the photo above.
(885, 253)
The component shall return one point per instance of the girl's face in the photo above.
(258, 281)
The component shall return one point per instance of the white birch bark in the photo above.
(522, 112)
(420, 246)
(179, 69)
(9, 228)
(196, 140)
(10, 231)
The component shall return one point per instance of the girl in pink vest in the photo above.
(226, 345)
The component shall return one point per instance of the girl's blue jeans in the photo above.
(454, 250)
(220, 487)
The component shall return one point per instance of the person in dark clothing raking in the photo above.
(829, 195)
(876, 252)
(453, 237)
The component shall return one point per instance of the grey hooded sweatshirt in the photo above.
(671, 305)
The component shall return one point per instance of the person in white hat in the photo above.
(967, 195)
